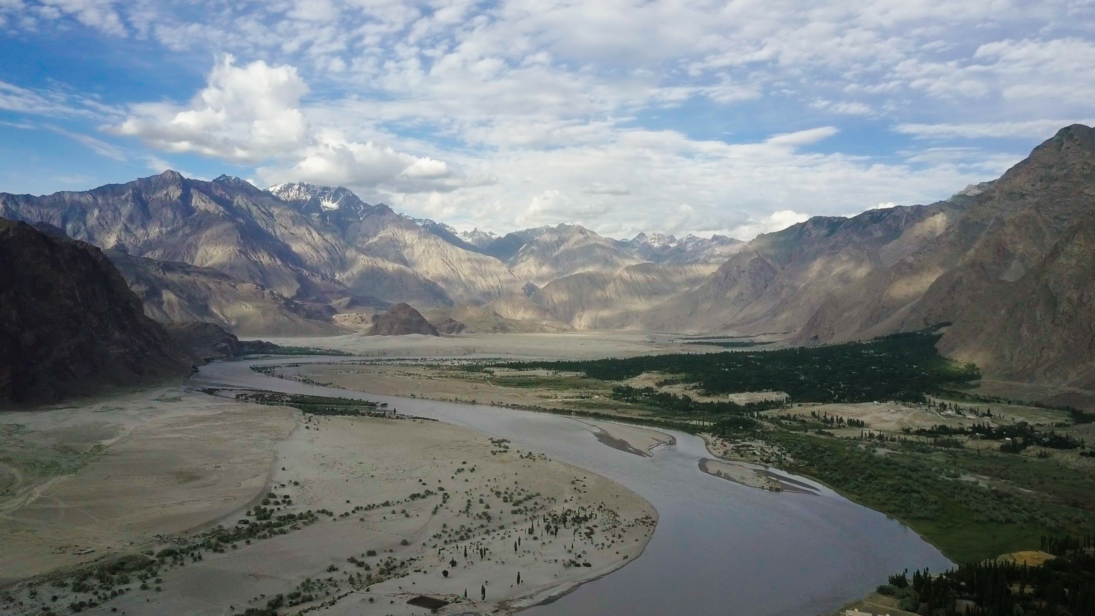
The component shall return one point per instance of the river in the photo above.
(719, 548)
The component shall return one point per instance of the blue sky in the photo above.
(679, 116)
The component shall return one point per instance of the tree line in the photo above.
(899, 367)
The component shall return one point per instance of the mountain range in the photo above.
(1008, 264)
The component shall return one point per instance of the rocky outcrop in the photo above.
(450, 326)
(401, 320)
(69, 324)
(204, 342)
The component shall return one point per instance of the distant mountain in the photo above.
(227, 225)
(381, 234)
(505, 248)
(450, 326)
(477, 238)
(335, 206)
(1007, 263)
(68, 322)
(565, 250)
(490, 319)
(616, 299)
(777, 281)
(447, 233)
(230, 226)
(206, 341)
(311, 249)
(689, 250)
(401, 320)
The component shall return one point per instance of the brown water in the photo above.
(719, 548)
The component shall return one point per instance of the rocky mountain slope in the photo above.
(776, 282)
(1008, 263)
(291, 255)
(1013, 274)
(616, 299)
(565, 250)
(227, 225)
(181, 293)
(433, 252)
(69, 323)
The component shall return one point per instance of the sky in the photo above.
(735, 117)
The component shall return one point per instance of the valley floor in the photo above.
(570, 345)
(984, 502)
(355, 514)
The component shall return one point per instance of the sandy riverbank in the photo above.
(106, 476)
(632, 439)
(406, 500)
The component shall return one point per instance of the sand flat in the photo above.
(444, 490)
(166, 462)
(632, 439)
(739, 473)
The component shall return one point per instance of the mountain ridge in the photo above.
(320, 250)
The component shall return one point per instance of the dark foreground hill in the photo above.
(69, 323)
(401, 320)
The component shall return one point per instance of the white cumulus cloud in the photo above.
(254, 114)
(245, 114)
(776, 221)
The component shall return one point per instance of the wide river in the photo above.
(719, 548)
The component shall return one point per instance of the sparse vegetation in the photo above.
(315, 405)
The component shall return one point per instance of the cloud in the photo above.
(679, 185)
(597, 188)
(19, 125)
(334, 160)
(625, 116)
(1058, 70)
(842, 107)
(98, 146)
(776, 221)
(1029, 129)
(99, 14)
(253, 114)
(803, 137)
(52, 103)
(245, 114)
